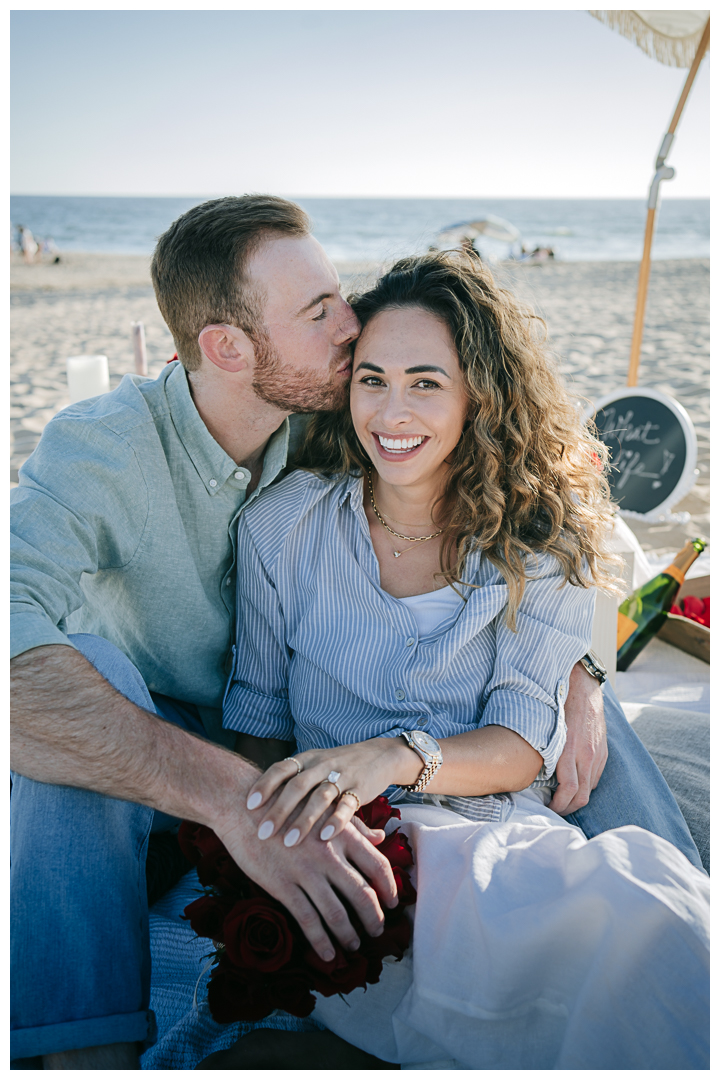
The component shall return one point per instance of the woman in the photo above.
(411, 622)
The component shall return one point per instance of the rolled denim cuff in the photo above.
(137, 1027)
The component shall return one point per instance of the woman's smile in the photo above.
(403, 446)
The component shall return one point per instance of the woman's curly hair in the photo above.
(528, 474)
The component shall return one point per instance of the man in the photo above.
(123, 602)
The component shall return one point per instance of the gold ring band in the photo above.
(339, 793)
(296, 763)
(354, 796)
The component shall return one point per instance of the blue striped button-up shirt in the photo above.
(326, 657)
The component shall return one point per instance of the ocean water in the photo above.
(381, 229)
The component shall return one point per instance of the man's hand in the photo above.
(582, 761)
(308, 877)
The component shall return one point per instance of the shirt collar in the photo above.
(213, 465)
(353, 489)
(275, 458)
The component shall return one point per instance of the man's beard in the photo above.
(281, 385)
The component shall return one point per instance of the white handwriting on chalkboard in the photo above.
(631, 464)
(624, 431)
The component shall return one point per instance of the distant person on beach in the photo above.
(123, 605)
(28, 245)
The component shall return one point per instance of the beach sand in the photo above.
(86, 304)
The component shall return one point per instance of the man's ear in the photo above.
(228, 347)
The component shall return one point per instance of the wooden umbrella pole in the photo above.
(642, 292)
(662, 173)
(704, 42)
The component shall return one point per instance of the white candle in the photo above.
(138, 336)
(87, 377)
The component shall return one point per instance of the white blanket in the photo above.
(535, 948)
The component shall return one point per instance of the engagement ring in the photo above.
(332, 778)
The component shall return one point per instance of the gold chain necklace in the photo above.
(400, 536)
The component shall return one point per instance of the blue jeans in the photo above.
(632, 790)
(80, 953)
(80, 950)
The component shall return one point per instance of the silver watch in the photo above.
(429, 750)
(594, 666)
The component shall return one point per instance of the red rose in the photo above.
(207, 916)
(197, 840)
(405, 888)
(345, 972)
(374, 968)
(257, 935)
(290, 990)
(377, 813)
(394, 939)
(237, 995)
(220, 870)
(693, 607)
(396, 850)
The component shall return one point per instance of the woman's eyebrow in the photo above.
(425, 367)
(418, 370)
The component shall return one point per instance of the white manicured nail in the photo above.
(292, 838)
(327, 832)
(266, 830)
(254, 800)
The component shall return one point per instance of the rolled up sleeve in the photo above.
(256, 699)
(81, 507)
(529, 684)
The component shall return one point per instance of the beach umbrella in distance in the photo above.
(464, 232)
(679, 39)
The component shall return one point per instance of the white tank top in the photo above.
(432, 608)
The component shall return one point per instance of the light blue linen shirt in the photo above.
(325, 656)
(124, 525)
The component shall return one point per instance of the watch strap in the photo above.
(593, 667)
(432, 764)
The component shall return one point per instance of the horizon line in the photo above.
(216, 195)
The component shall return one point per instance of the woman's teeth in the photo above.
(400, 445)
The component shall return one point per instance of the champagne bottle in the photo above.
(645, 610)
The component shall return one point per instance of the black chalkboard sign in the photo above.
(653, 449)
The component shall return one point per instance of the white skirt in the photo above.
(535, 948)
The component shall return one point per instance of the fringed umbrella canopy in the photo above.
(672, 37)
(494, 227)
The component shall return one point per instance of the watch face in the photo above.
(426, 742)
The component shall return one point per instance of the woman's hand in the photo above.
(365, 769)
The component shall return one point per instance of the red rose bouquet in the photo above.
(263, 961)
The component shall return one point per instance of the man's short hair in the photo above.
(199, 266)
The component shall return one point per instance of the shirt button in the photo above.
(239, 475)
(400, 695)
(422, 721)
(410, 642)
(228, 582)
(213, 483)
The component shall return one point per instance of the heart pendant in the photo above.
(397, 554)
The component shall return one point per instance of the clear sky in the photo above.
(489, 103)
